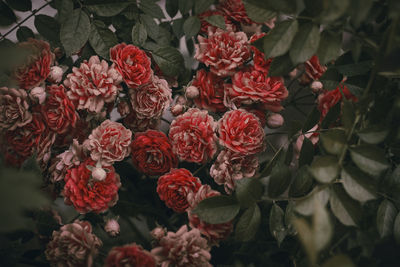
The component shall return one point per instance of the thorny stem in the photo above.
(22, 22)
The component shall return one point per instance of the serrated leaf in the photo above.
(396, 228)
(329, 47)
(107, 8)
(312, 119)
(185, 6)
(358, 185)
(305, 43)
(339, 260)
(202, 5)
(248, 191)
(325, 168)
(348, 114)
(139, 34)
(355, 69)
(346, 209)
(48, 27)
(172, 7)
(281, 66)
(334, 141)
(285, 6)
(306, 152)
(374, 134)
(216, 20)
(7, 16)
(279, 39)
(177, 27)
(257, 13)
(74, 32)
(359, 10)
(302, 183)
(131, 12)
(276, 223)
(385, 218)
(314, 7)
(64, 8)
(248, 224)
(101, 39)
(218, 209)
(20, 5)
(191, 27)
(24, 33)
(150, 25)
(306, 206)
(333, 9)
(279, 180)
(169, 59)
(370, 159)
(152, 9)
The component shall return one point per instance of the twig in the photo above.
(165, 120)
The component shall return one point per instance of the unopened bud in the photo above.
(275, 120)
(112, 227)
(177, 110)
(181, 100)
(293, 74)
(55, 75)
(192, 92)
(158, 233)
(316, 86)
(99, 174)
(38, 94)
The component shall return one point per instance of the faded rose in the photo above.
(14, 108)
(192, 136)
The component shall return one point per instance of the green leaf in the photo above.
(329, 47)
(278, 41)
(102, 39)
(218, 209)
(20, 5)
(48, 27)
(276, 223)
(185, 6)
(334, 141)
(302, 183)
(248, 191)
(332, 116)
(65, 8)
(346, 209)
(305, 43)
(257, 13)
(339, 260)
(216, 20)
(152, 9)
(131, 12)
(358, 185)
(374, 134)
(169, 59)
(306, 152)
(370, 159)
(7, 16)
(279, 180)
(107, 8)
(322, 227)
(281, 66)
(74, 32)
(306, 206)
(202, 5)
(385, 218)
(355, 69)
(285, 6)
(348, 114)
(191, 26)
(396, 228)
(177, 27)
(312, 119)
(171, 6)
(305, 235)
(359, 10)
(313, 7)
(248, 224)
(24, 33)
(333, 9)
(150, 25)
(325, 168)
(139, 34)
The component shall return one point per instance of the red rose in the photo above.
(37, 67)
(174, 187)
(58, 110)
(213, 232)
(192, 136)
(211, 91)
(252, 87)
(129, 255)
(132, 63)
(241, 132)
(205, 24)
(109, 142)
(260, 63)
(330, 98)
(314, 70)
(152, 153)
(223, 51)
(88, 194)
(235, 10)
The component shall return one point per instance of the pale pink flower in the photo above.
(112, 227)
(55, 75)
(275, 120)
(38, 94)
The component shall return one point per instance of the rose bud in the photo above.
(55, 75)
(316, 86)
(177, 110)
(192, 92)
(293, 74)
(99, 174)
(158, 233)
(112, 227)
(38, 94)
(180, 100)
(275, 120)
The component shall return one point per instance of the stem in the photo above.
(349, 135)
(165, 120)
(199, 169)
(20, 23)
